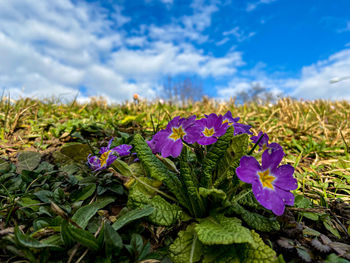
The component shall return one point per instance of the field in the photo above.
(54, 208)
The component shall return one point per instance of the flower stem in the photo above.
(149, 186)
(255, 145)
(239, 197)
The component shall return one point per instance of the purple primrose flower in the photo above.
(107, 156)
(102, 162)
(239, 128)
(264, 142)
(169, 141)
(210, 129)
(271, 184)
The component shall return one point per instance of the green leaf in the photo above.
(157, 170)
(83, 237)
(85, 213)
(66, 236)
(164, 213)
(28, 160)
(186, 247)
(122, 168)
(258, 251)
(229, 161)
(113, 242)
(83, 193)
(28, 241)
(197, 203)
(4, 166)
(44, 196)
(132, 216)
(213, 195)
(221, 254)
(222, 230)
(76, 151)
(330, 227)
(213, 156)
(255, 220)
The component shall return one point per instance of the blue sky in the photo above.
(117, 48)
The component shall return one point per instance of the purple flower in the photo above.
(169, 141)
(122, 150)
(229, 119)
(102, 162)
(210, 129)
(264, 142)
(239, 128)
(271, 184)
(107, 156)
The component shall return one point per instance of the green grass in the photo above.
(314, 134)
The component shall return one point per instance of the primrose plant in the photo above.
(204, 174)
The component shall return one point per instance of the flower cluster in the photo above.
(271, 183)
(205, 131)
(108, 156)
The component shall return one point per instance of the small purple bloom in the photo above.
(271, 184)
(239, 128)
(264, 142)
(210, 129)
(102, 162)
(169, 141)
(122, 150)
(229, 119)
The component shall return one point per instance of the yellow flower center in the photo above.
(208, 132)
(266, 179)
(177, 133)
(227, 121)
(104, 158)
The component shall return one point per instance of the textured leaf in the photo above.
(132, 216)
(213, 156)
(248, 200)
(221, 254)
(122, 168)
(27, 160)
(76, 151)
(186, 247)
(157, 170)
(222, 230)
(197, 204)
(164, 213)
(213, 195)
(258, 252)
(85, 213)
(229, 161)
(255, 220)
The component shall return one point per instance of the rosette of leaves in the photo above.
(206, 189)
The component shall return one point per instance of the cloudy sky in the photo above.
(116, 48)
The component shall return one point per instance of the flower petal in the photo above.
(284, 178)
(248, 169)
(271, 160)
(268, 199)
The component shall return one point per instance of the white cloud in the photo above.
(253, 6)
(168, 59)
(54, 48)
(315, 79)
(240, 34)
